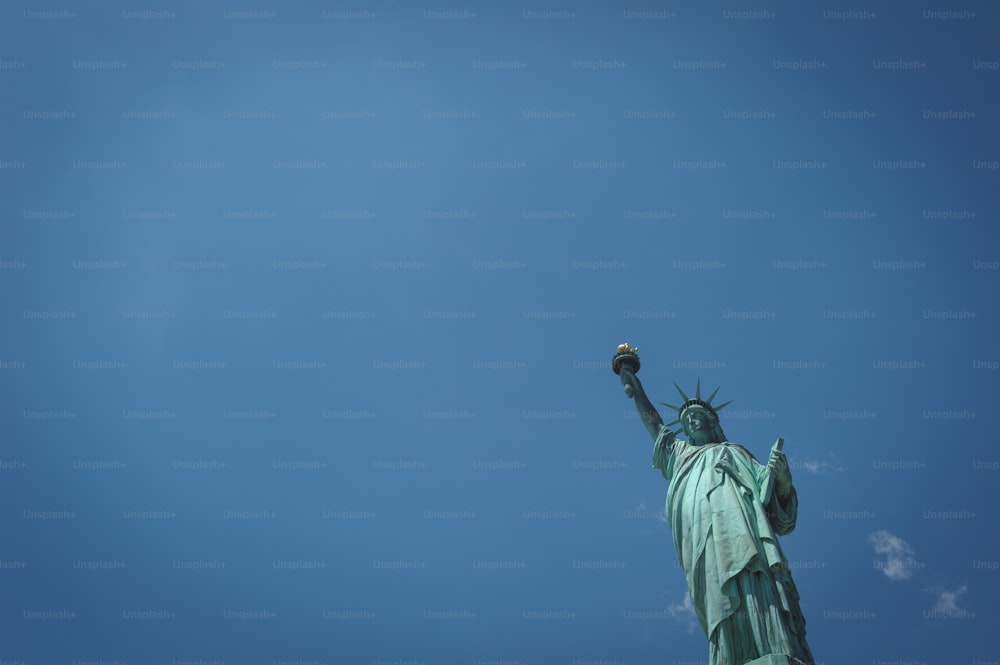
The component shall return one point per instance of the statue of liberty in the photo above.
(726, 511)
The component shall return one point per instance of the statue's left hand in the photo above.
(778, 464)
(630, 381)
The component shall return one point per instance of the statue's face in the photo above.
(699, 426)
(696, 421)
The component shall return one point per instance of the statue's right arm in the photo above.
(649, 415)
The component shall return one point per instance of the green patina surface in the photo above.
(726, 511)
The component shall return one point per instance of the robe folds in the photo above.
(725, 517)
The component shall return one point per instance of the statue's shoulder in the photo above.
(740, 446)
(667, 437)
(667, 442)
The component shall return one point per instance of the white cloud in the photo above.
(947, 601)
(946, 604)
(899, 560)
(816, 466)
(684, 612)
(659, 513)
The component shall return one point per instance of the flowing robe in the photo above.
(725, 518)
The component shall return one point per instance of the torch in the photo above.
(626, 360)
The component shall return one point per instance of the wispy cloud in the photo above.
(658, 514)
(946, 604)
(684, 612)
(816, 466)
(947, 601)
(899, 560)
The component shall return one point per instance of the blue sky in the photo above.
(308, 313)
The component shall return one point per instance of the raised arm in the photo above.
(649, 415)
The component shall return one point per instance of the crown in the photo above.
(697, 401)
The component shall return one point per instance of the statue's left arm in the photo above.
(777, 491)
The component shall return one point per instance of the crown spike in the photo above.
(697, 393)
(686, 398)
(675, 408)
(712, 396)
(722, 406)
